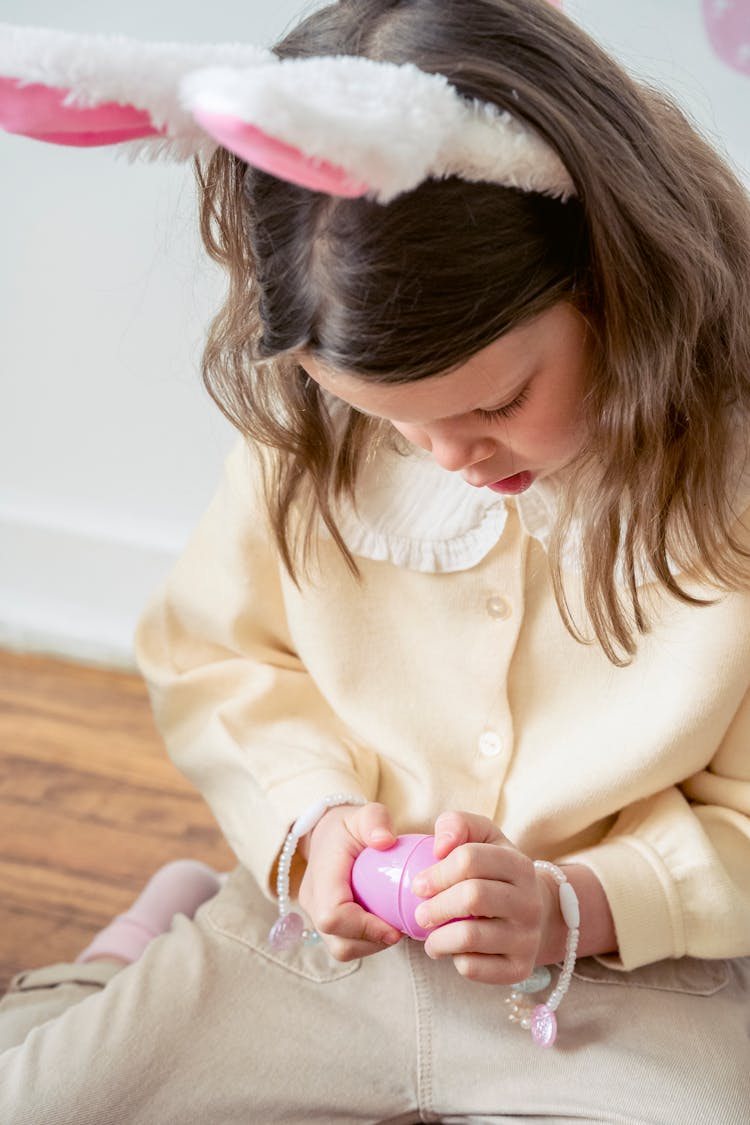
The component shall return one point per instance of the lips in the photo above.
(511, 485)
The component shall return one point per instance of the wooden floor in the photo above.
(90, 806)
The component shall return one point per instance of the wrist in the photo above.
(335, 812)
(597, 929)
(541, 1019)
(289, 927)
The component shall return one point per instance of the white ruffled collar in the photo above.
(417, 515)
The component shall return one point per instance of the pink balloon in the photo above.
(728, 25)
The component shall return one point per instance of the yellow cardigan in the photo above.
(430, 686)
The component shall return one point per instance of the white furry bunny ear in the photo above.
(98, 90)
(342, 125)
(353, 126)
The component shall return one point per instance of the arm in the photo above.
(240, 715)
(677, 871)
(676, 866)
(671, 878)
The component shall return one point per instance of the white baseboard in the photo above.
(76, 592)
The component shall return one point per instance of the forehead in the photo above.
(486, 379)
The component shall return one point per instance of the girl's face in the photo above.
(508, 416)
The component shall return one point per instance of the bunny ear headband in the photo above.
(341, 125)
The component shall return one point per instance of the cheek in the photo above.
(553, 431)
(562, 412)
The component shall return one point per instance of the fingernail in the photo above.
(422, 916)
(420, 886)
(379, 835)
(391, 939)
(443, 839)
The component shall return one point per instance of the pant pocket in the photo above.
(690, 975)
(243, 913)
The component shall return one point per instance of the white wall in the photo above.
(109, 448)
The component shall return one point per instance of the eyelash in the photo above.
(505, 411)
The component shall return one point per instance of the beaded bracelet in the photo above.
(541, 1020)
(289, 927)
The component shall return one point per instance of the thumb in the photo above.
(373, 826)
(455, 828)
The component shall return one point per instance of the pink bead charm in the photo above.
(286, 932)
(543, 1026)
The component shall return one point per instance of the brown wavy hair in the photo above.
(654, 252)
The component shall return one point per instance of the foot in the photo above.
(179, 887)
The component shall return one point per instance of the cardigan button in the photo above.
(490, 744)
(498, 607)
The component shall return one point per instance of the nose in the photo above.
(452, 449)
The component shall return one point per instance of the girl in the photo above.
(478, 567)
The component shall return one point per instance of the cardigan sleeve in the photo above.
(676, 872)
(676, 866)
(239, 713)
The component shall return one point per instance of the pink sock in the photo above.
(177, 888)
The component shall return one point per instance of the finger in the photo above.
(348, 921)
(478, 898)
(489, 936)
(455, 828)
(341, 949)
(476, 861)
(372, 826)
(488, 969)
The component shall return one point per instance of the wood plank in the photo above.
(90, 806)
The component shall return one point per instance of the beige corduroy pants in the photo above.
(210, 1027)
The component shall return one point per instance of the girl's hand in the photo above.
(503, 906)
(326, 894)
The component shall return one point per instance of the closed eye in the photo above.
(506, 411)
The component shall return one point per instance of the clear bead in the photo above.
(537, 982)
(286, 932)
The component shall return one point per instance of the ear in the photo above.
(101, 90)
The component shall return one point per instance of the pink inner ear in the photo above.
(38, 111)
(279, 159)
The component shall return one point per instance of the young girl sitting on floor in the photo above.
(479, 568)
